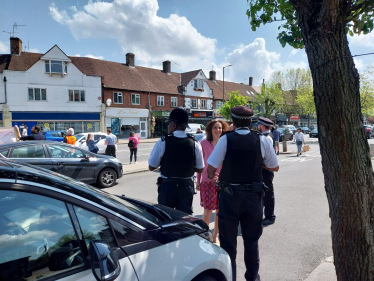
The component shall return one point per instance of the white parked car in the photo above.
(193, 128)
(81, 141)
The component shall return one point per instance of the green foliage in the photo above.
(367, 92)
(270, 98)
(359, 18)
(235, 99)
(304, 97)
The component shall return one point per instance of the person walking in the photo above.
(69, 138)
(133, 145)
(91, 144)
(179, 156)
(276, 138)
(207, 188)
(264, 125)
(110, 143)
(242, 154)
(299, 139)
(35, 134)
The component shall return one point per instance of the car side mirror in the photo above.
(104, 262)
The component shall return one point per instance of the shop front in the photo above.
(295, 120)
(281, 119)
(161, 127)
(58, 121)
(123, 121)
(201, 116)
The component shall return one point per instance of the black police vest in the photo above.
(243, 160)
(179, 158)
(39, 136)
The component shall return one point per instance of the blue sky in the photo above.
(193, 34)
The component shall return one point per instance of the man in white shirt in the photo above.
(179, 156)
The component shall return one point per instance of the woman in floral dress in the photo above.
(208, 190)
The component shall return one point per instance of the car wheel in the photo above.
(107, 178)
(204, 277)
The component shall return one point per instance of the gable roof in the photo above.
(55, 51)
(244, 90)
(120, 76)
(188, 76)
(19, 63)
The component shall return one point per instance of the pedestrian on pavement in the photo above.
(299, 139)
(24, 131)
(70, 139)
(35, 134)
(91, 144)
(264, 125)
(208, 189)
(180, 156)
(242, 154)
(276, 136)
(110, 143)
(133, 145)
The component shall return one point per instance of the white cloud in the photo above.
(94, 57)
(4, 48)
(293, 52)
(362, 40)
(359, 63)
(33, 50)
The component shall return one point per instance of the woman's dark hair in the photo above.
(209, 128)
(89, 136)
(299, 128)
(132, 134)
(242, 122)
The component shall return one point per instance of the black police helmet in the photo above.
(179, 116)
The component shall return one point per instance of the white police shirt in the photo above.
(159, 150)
(268, 136)
(267, 151)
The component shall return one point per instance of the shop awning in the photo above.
(55, 116)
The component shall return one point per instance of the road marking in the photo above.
(303, 158)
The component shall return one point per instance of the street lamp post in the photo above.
(223, 98)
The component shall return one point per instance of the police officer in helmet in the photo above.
(264, 126)
(242, 154)
(179, 156)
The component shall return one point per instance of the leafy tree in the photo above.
(367, 91)
(304, 97)
(321, 26)
(270, 99)
(235, 99)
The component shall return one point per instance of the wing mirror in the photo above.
(104, 262)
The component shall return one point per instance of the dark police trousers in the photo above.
(269, 201)
(110, 150)
(177, 194)
(244, 207)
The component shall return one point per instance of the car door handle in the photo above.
(61, 163)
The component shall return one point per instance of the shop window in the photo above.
(174, 102)
(160, 101)
(135, 99)
(78, 126)
(117, 97)
(56, 66)
(194, 103)
(77, 95)
(37, 94)
(203, 103)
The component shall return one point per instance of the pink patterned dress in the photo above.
(208, 190)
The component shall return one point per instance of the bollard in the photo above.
(284, 142)
(371, 150)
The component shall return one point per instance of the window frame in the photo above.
(172, 101)
(79, 93)
(163, 101)
(136, 96)
(202, 102)
(192, 103)
(119, 94)
(10, 152)
(34, 95)
(198, 84)
(64, 67)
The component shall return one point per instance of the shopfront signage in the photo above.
(126, 112)
(201, 114)
(294, 117)
(46, 125)
(89, 125)
(165, 113)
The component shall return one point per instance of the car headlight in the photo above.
(207, 235)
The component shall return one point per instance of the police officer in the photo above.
(264, 126)
(242, 154)
(180, 156)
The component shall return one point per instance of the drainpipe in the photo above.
(6, 100)
(150, 116)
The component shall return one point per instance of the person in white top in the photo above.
(299, 139)
(24, 131)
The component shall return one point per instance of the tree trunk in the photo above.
(345, 152)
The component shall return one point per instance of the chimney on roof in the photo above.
(250, 81)
(212, 75)
(166, 66)
(130, 59)
(15, 46)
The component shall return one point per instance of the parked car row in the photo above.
(369, 129)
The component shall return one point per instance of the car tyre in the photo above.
(107, 178)
(204, 277)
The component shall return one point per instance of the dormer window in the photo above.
(56, 66)
(198, 84)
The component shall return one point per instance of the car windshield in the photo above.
(79, 136)
(281, 129)
(315, 130)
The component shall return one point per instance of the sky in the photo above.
(192, 34)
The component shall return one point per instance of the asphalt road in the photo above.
(123, 152)
(300, 238)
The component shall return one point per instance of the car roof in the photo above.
(48, 180)
(13, 144)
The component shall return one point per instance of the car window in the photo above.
(202, 127)
(4, 152)
(55, 135)
(125, 235)
(37, 237)
(96, 137)
(62, 151)
(94, 226)
(28, 151)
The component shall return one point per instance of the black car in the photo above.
(285, 134)
(314, 133)
(53, 227)
(67, 160)
(305, 130)
(369, 131)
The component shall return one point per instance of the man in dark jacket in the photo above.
(36, 134)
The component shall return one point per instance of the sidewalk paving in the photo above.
(325, 271)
